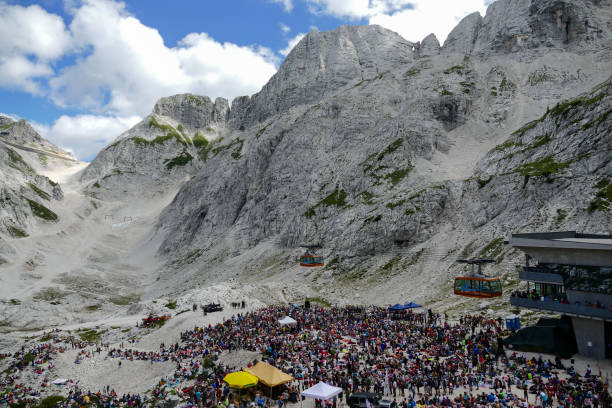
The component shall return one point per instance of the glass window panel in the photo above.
(495, 286)
(459, 284)
(484, 288)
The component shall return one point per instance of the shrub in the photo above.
(412, 72)
(396, 204)
(493, 248)
(17, 162)
(483, 182)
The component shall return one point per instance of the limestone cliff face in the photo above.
(193, 112)
(429, 46)
(554, 169)
(322, 63)
(349, 171)
(514, 25)
(22, 133)
(27, 199)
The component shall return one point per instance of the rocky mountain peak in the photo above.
(22, 133)
(462, 38)
(323, 62)
(429, 46)
(193, 112)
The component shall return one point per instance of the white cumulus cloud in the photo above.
(30, 39)
(121, 67)
(10, 115)
(85, 135)
(287, 4)
(292, 43)
(284, 28)
(357, 9)
(128, 66)
(428, 16)
(412, 19)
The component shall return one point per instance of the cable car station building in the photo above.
(571, 274)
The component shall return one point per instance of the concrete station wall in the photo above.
(589, 331)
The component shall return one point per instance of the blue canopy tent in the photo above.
(411, 305)
(397, 307)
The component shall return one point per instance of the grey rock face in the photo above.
(323, 62)
(429, 46)
(512, 25)
(462, 38)
(27, 199)
(240, 111)
(22, 133)
(160, 152)
(452, 110)
(559, 162)
(221, 111)
(193, 112)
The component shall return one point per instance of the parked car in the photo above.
(358, 400)
(387, 403)
(212, 307)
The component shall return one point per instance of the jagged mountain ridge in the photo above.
(324, 63)
(457, 89)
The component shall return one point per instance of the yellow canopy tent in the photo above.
(269, 375)
(240, 380)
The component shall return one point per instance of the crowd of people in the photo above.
(415, 359)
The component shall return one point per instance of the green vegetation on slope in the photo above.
(41, 211)
(336, 198)
(603, 197)
(16, 232)
(17, 162)
(180, 160)
(42, 194)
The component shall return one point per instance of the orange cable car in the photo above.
(477, 285)
(310, 259)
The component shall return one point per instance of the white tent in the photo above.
(287, 320)
(60, 381)
(322, 391)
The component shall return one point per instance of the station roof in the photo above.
(562, 240)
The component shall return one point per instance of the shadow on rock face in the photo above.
(451, 111)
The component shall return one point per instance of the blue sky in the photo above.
(83, 71)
